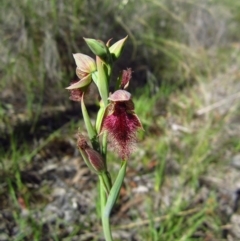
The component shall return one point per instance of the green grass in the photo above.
(194, 154)
(38, 39)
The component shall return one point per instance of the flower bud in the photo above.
(95, 159)
(92, 158)
(97, 47)
(116, 49)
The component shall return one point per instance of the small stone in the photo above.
(15, 231)
(4, 237)
(236, 161)
(235, 223)
(141, 189)
(58, 191)
(2, 226)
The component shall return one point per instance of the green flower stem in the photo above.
(105, 219)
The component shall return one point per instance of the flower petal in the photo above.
(120, 95)
(80, 74)
(85, 63)
(76, 95)
(81, 83)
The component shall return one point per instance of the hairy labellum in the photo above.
(122, 123)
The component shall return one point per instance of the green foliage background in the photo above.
(167, 39)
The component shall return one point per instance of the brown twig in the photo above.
(217, 104)
(157, 219)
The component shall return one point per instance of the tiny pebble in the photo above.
(4, 237)
(236, 161)
(235, 221)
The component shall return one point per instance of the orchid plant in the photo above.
(116, 123)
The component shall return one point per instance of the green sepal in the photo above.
(102, 82)
(100, 116)
(113, 195)
(92, 134)
(116, 49)
(97, 47)
(95, 77)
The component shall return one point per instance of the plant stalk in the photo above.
(105, 218)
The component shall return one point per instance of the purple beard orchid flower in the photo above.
(121, 123)
(85, 67)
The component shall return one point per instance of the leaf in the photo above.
(115, 189)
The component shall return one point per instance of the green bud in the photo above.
(116, 49)
(97, 47)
